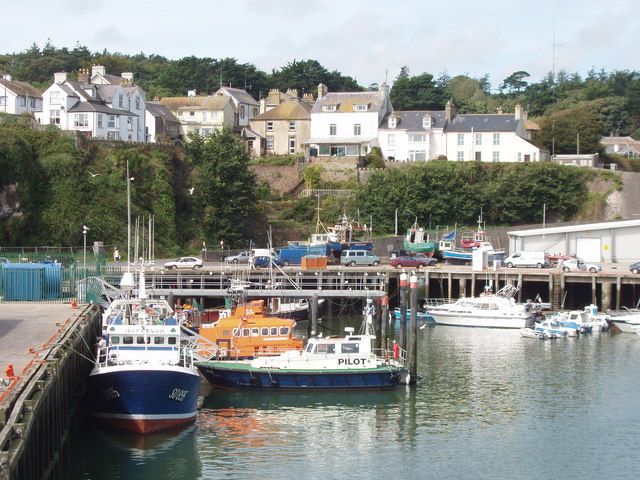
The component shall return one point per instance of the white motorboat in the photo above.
(627, 321)
(498, 310)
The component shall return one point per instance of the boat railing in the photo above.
(271, 351)
(434, 302)
(391, 356)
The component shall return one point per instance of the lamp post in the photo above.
(85, 229)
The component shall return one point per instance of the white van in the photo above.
(263, 252)
(528, 259)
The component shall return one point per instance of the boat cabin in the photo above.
(135, 344)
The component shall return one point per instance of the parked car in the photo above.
(635, 267)
(358, 257)
(242, 257)
(184, 262)
(263, 261)
(577, 264)
(413, 261)
(399, 252)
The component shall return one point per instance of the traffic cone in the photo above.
(74, 304)
(9, 371)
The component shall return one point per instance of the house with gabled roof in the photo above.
(110, 111)
(625, 146)
(18, 97)
(282, 130)
(245, 105)
(201, 115)
(412, 135)
(490, 137)
(345, 124)
(162, 125)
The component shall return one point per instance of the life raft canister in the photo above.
(396, 350)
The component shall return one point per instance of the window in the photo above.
(242, 109)
(417, 155)
(393, 122)
(180, 113)
(172, 340)
(23, 101)
(478, 138)
(292, 144)
(519, 156)
(158, 340)
(417, 137)
(192, 113)
(496, 139)
(391, 139)
(350, 348)
(129, 123)
(329, 108)
(32, 102)
(255, 112)
(269, 142)
(284, 330)
(54, 98)
(496, 156)
(81, 120)
(273, 331)
(461, 139)
(461, 156)
(111, 121)
(54, 117)
(427, 121)
(137, 103)
(255, 331)
(338, 151)
(3, 101)
(113, 135)
(323, 150)
(265, 331)
(535, 156)
(292, 126)
(99, 120)
(128, 340)
(204, 115)
(332, 129)
(352, 150)
(269, 126)
(479, 156)
(245, 332)
(120, 100)
(357, 129)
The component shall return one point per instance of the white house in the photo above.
(490, 137)
(18, 97)
(112, 111)
(345, 124)
(161, 124)
(245, 105)
(412, 135)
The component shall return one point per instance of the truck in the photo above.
(528, 259)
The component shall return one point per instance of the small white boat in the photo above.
(555, 326)
(541, 334)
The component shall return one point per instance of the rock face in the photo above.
(9, 202)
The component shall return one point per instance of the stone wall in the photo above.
(281, 178)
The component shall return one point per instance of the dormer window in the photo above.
(427, 121)
(361, 108)
(393, 122)
(330, 108)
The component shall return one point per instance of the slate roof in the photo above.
(21, 88)
(215, 102)
(240, 95)
(286, 111)
(161, 111)
(97, 106)
(345, 101)
(482, 123)
(412, 120)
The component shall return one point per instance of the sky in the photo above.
(369, 40)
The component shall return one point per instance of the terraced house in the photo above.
(18, 97)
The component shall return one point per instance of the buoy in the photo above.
(74, 304)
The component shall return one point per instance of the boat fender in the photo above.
(275, 383)
(396, 350)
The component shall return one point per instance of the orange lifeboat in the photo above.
(248, 332)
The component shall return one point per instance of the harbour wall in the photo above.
(38, 406)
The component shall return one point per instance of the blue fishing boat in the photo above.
(144, 379)
(342, 236)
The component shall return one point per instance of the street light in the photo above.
(85, 229)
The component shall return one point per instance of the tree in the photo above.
(515, 82)
(417, 93)
(576, 130)
(224, 188)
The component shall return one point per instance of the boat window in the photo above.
(310, 347)
(143, 340)
(265, 331)
(245, 332)
(274, 331)
(284, 330)
(172, 340)
(493, 306)
(326, 348)
(114, 339)
(350, 348)
(158, 340)
(255, 332)
(127, 340)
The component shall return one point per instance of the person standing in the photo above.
(116, 255)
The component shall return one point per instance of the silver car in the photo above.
(580, 265)
(184, 262)
(242, 257)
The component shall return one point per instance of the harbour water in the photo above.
(490, 404)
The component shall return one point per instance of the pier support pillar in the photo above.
(402, 339)
(607, 294)
(413, 330)
(314, 314)
(384, 321)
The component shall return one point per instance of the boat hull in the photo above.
(467, 256)
(340, 246)
(470, 320)
(245, 377)
(428, 248)
(143, 399)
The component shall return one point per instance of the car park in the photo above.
(634, 268)
(242, 257)
(184, 262)
(576, 264)
(413, 261)
(358, 257)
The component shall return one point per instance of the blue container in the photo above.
(31, 281)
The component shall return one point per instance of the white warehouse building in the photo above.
(617, 241)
